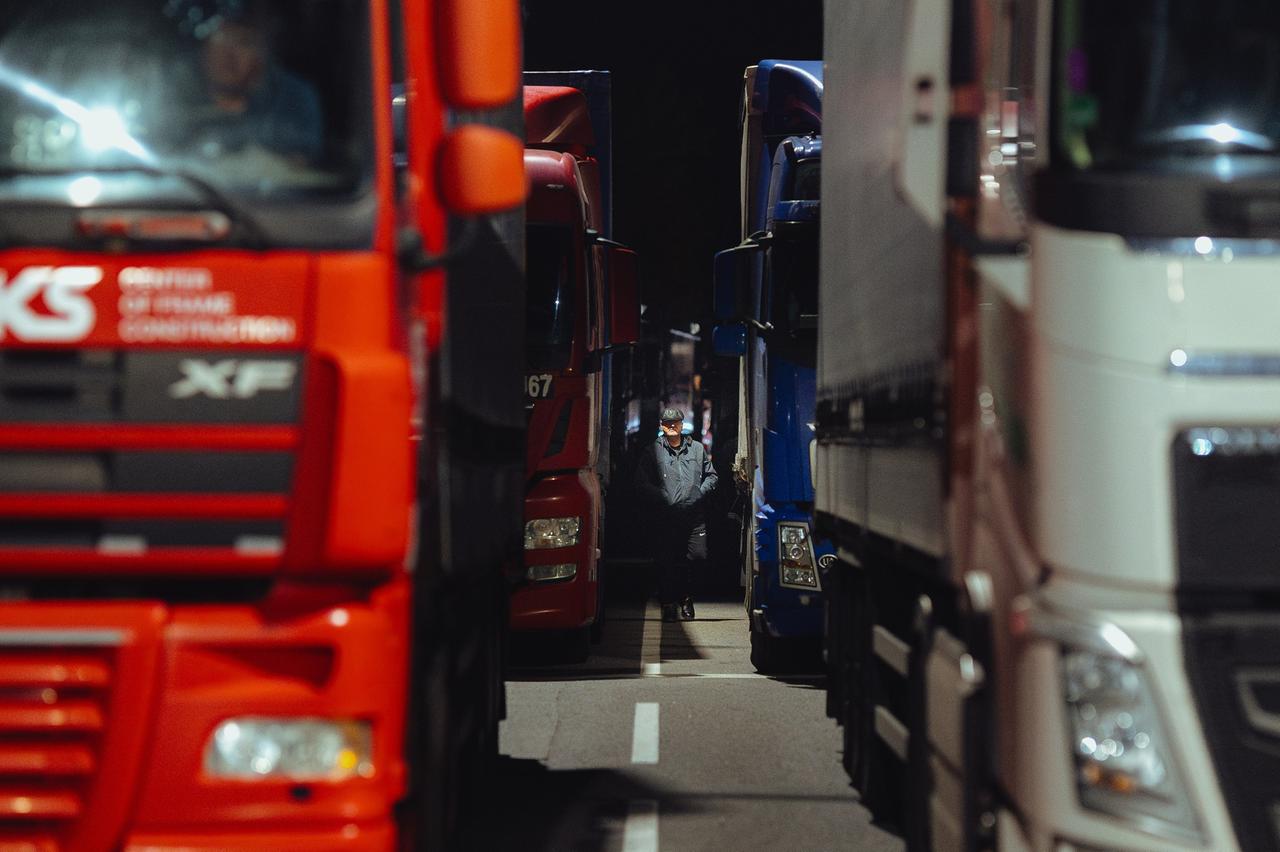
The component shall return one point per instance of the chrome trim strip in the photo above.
(894, 734)
(891, 649)
(1263, 721)
(1077, 630)
(1185, 363)
(19, 637)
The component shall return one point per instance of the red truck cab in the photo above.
(220, 592)
(581, 305)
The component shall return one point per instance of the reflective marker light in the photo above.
(548, 573)
(796, 565)
(551, 532)
(253, 748)
(1122, 757)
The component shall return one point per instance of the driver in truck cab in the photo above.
(248, 97)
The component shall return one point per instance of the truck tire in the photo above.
(597, 626)
(578, 645)
(766, 655)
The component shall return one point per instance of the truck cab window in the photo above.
(550, 313)
(267, 101)
(1165, 80)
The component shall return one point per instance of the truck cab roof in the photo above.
(557, 118)
(557, 192)
(788, 94)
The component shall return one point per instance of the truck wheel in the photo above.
(578, 645)
(597, 626)
(765, 653)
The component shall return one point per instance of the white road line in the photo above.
(651, 641)
(644, 737)
(640, 833)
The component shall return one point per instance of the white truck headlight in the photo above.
(253, 748)
(1124, 766)
(551, 532)
(796, 566)
(549, 573)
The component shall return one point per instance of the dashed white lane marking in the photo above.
(651, 641)
(640, 833)
(644, 736)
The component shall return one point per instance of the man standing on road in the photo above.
(676, 478)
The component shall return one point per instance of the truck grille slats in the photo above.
(249, 506)
(145, 472)
(53, 707)
(1233, 664)
(34, 717)
(148, 462)
(49, 760)
(106, 386)
(39, 806)
(52, 673)
(1226, 501)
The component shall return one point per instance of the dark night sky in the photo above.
(677, 76)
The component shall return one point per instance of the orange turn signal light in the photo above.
(479, 44)
(481, 171)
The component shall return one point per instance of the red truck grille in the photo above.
(122, 461)
(53, 706)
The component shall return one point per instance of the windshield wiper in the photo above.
(209, 193)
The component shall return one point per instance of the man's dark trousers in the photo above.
(681, 550)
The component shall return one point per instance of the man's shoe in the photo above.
(669, 612)
(686, 609)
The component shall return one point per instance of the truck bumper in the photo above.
(785, 613)
(151, 681)
(561, 605)
(351, 837)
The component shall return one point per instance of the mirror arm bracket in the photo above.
(593, 237)
(414, 258)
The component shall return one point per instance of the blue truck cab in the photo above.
(766, 295)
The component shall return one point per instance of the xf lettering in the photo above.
(232, 379)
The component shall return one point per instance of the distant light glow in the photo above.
(101, 128)
(1204, 245)
(1224, 133)
(1178, 358)
(83, 191)
(1201, 447)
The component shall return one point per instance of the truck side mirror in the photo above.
(481, 170)
(479, 44)
(624, 302)
(735, 273)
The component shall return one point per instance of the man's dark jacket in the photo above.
(675, 483)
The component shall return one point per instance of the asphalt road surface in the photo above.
(668, 739)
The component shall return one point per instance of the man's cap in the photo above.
(672, 415)
(201, 18)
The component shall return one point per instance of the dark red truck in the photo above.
(582, 307)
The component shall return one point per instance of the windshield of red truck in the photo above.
(1165, 79)
(264, 103)
(549, 311)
